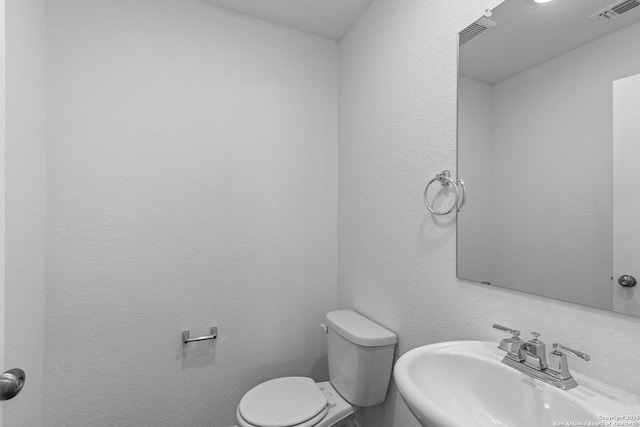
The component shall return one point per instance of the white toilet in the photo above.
(360, 354)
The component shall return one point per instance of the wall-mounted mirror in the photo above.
(549, 147)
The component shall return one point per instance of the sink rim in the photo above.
(487, 351)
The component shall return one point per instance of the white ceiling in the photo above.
(528, 34)
(325, 18)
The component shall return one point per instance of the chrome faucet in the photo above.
(531, 358)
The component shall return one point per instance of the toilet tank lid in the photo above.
(359, 330)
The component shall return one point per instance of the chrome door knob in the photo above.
(11, 383)
(627, 281)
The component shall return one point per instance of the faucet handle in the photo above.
(559, 366)
(511, 345)
(557, 350)
(514, 332)
(535, 335)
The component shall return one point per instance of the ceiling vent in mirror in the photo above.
(474, 30)
(615, 10)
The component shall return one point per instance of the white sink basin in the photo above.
(464, 384)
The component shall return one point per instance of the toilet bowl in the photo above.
(360, 355)
(293, 402)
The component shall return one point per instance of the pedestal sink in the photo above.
(464, 384)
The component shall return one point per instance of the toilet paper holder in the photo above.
(212, 336)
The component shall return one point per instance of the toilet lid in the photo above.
(282, 402)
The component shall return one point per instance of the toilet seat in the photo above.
(284, 402)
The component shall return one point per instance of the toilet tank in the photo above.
(360, 354)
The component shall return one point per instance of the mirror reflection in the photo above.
(548, 105)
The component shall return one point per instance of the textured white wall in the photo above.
(192, 181)
(396, 262)
(25, 206)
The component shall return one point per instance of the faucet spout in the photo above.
(535, 354)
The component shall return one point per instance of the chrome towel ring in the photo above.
(445, 180)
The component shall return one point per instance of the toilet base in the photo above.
(340, 411)
(347, 422)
